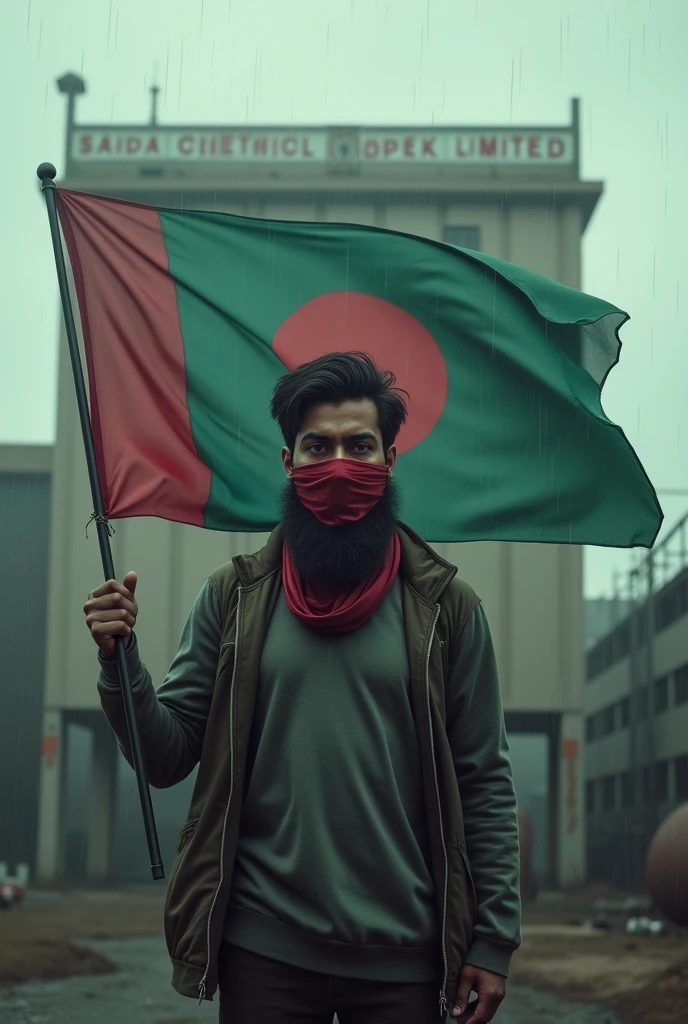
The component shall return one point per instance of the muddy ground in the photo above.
(83, 957)
(140, 993)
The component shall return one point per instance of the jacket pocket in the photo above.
(174, 900)
(469, 883)
(186, 833)
(225, 656)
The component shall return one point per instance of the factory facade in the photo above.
(636, 725)
(515, 193)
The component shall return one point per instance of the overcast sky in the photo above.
(455, 62)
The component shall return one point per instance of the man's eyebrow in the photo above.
(361, 435)
(313, 436)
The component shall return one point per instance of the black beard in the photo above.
(340, 557)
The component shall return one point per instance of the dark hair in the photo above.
(338, 377)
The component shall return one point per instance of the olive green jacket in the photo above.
(467, 780)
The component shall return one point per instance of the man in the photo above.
(351, 845)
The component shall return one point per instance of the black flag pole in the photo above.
(47, 173)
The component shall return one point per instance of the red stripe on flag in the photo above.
(145, 449)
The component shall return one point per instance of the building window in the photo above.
(661, 781)
(590, 728)
(681, 777)
(608, 717)
(609, 793)
(661, 695)
(625, 712)
(681, 685)
(627, 790)
(590, 797)
(464, 237)
(673, 603)
(642, 703)
(647, 785)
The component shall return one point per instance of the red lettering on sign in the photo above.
(409, 143)
(85, 144)
(460, 151)
(133, 145)
(488, 146)
(185, 145)
(555, 148)
(49, 749)
(152, 145)
(517, 139)
(534, 147)
(371, 149)
(226, 145)
(260, 147)
(244, 140)
(429, 147)
(390, 146)
(307, 151)
(201, 148)
(569, 749)
(104, 145)
(289, 145)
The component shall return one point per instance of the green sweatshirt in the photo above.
(332, 871)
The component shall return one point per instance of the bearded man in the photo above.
(351, 847)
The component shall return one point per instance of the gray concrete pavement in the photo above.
(140, 993)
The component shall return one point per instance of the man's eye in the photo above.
(316, 448)
(361, 448)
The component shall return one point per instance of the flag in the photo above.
(189, 318)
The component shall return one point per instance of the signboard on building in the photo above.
(334, 147)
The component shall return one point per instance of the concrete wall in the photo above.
(25, 482)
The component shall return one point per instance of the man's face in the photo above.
(348, 430)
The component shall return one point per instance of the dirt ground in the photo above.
(36, 940)
(643, 979)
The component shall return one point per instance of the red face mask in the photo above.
(340, 491)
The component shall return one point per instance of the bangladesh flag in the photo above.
(189, 318)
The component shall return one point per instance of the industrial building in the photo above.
(514, 192)
(25, 486)
(636, 704)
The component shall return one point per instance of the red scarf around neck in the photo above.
(326, 612)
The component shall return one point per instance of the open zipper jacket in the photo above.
(466, 774)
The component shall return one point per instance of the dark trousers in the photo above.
(257, 990)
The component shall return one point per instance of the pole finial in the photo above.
(46, 172)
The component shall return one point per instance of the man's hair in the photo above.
(338, 377)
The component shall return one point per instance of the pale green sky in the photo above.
(378, 61)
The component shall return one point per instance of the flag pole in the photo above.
(47, 173)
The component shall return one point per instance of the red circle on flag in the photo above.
(356, 322)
